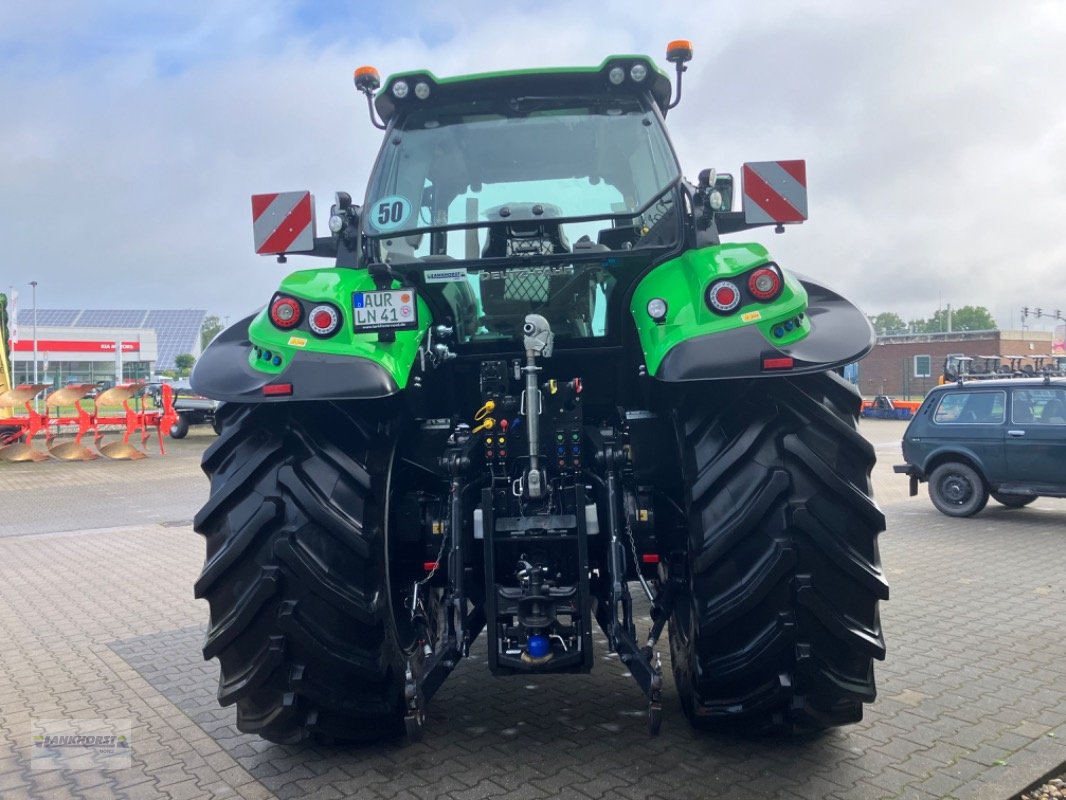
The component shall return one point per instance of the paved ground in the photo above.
(98, 620)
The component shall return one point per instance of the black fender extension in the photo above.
(223, 373)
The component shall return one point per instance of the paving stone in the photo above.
(976, 670)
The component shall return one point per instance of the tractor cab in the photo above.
(503, 195)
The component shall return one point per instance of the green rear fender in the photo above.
(246, 359)
(806, 328)
(682, 282)
(334, 286)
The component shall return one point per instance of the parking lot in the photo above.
(97, 562)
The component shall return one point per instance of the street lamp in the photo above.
(34, 285)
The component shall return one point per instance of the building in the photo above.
(80, 345)
(909, 365)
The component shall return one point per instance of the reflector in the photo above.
(777, 363)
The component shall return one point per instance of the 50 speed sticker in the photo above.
(389, 213)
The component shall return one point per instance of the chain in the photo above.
(437, 563)
(636, 559)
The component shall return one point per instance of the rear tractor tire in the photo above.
(301, 618)
(779, 625)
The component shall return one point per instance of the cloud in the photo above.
(133, 134)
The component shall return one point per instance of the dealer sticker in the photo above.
(445, 275)
(751, 316)
(391, 309)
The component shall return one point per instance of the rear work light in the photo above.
(765, 284)
(324, 320)
(723, 297)
(285, 312)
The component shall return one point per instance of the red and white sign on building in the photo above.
(775, 192)
(283, 222)
(73, 346)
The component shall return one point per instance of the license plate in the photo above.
(391, 309)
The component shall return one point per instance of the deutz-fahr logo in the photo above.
(526, 272)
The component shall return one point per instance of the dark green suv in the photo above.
(1004, 438)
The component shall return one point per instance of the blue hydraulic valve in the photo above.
(538, 646)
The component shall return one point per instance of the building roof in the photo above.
(177, 330)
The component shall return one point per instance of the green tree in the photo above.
(965, 318)
(210, 329)
(888, 322)
(184, 362)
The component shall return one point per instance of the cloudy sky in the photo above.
(132, 134)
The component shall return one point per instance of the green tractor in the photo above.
(533, 383)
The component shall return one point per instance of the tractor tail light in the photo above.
(765, 284)
(324, 320)
(285, 312)
(723, 297)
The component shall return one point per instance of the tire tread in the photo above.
(785, 571)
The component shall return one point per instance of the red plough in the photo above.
(116, 410)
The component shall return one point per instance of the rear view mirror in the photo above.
(718, 190)
(721, 197)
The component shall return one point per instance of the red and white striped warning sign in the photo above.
(775, 191)
(283, 222)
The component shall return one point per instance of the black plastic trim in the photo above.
(223, 373)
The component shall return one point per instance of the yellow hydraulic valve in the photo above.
(487, 424)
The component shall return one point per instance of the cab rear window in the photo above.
(971, 408)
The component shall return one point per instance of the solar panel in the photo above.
(177, 330)
(111, 318)
(48, 317)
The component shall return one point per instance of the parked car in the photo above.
(1000, 438)
(153, 391)
(193, 409)
(99, 389)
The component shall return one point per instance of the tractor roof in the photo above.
(545, 82)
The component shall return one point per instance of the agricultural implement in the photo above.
(884, 407)
(534, 377)
(959, 367)
(68, 436)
